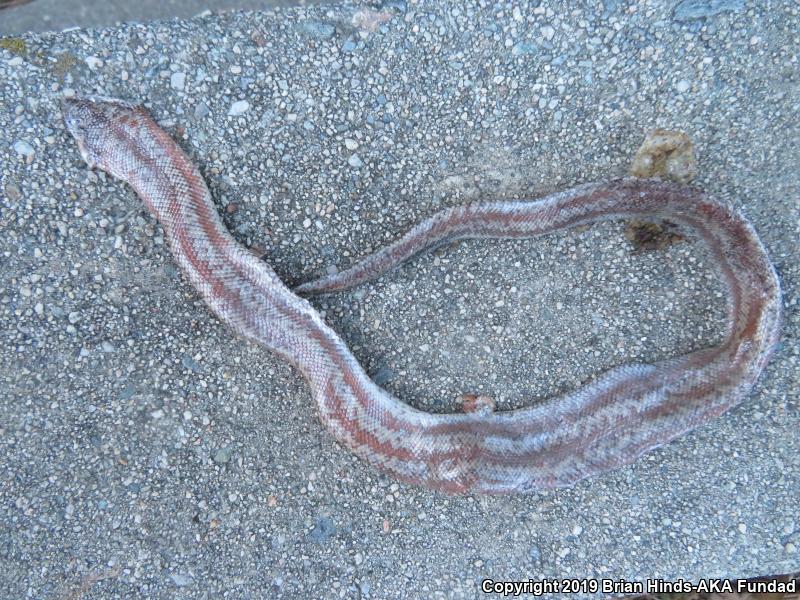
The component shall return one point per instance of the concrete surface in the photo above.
(145, 452)
(55, 15)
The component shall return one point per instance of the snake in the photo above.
(603, 425)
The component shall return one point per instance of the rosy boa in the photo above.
(603, 425)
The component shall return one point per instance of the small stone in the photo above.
(24, 149)
(548, 32)
(178, 80)
(190, 363)
(238, 108)
(523, 48)
(355, 161)
(74, 317)
(223, 455)
(683, 86)
(181, 580)
(94, 62)
(201, 110)
(350, 144)
(13, 193)
(742, 528)
(610, 7)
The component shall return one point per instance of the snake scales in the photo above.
(608, 423)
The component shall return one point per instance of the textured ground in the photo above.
(55, 15)
(147, 453)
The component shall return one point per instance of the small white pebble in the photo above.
(238, 108)
(178, 80)
(23, 148)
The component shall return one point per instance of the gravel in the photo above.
(146, 452)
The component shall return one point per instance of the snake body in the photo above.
(603, 425)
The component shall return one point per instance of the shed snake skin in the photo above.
(606, 424)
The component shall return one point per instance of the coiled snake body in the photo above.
(608, 423)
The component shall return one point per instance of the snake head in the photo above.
(98, 125)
